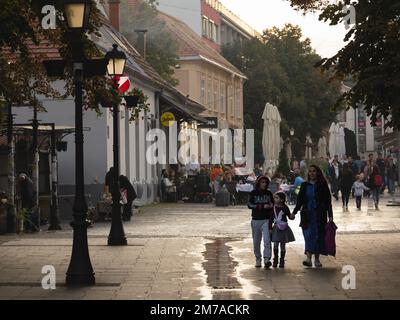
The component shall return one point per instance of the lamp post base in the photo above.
(54, 227)
(117, 241)
(80, 270)
(80, 280)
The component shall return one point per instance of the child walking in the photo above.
(261, 203)
(359, 188)
(281, 232)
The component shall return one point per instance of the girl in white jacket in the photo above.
(359, 188)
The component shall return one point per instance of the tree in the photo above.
(283, 163)
(23, 79)
(161, 50)
(280, 70)
(371, 55)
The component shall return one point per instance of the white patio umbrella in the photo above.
(271, 136)
(332, 139)
(342, 143)
(322, 147)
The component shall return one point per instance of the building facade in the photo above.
(211, 20)
(207, 77)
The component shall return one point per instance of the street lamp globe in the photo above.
(116, 62)
(77, 13)
(291, 132)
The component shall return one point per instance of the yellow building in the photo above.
(207, 77)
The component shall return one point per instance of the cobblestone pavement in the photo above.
(195, 251)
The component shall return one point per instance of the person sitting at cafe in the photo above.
(216, 176)
(193, 166)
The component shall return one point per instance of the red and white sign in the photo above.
(123, 84)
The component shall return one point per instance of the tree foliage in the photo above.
(161, 49)
(371, 54)
(283, 163)
(280, 70)
(23, 79)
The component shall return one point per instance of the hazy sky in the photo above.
(262, 14)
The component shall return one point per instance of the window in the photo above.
(210, 29)
(238, 100)
(216, 34)
(209, 92)
(204, 26)
(202, 89)
(215, 102)
(222, 92)
(230, 100)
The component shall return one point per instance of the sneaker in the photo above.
(317, 264)
(307, 263)
(258, 263)
(267, 264)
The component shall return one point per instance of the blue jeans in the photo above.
(391, 185)
(260, 230)
(375, 195)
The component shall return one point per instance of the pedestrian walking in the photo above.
(391, 174)
(315, 205)
(261, 203)
(281, 232)
(333, 173)
(128, 194)
(375, 182)
(359, 187)
(346, 180)
(26, 193)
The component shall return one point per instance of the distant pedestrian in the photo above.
(261, 203)
(359, 187)
(315, 205)
(26, 193)
(346, 180)
(281, 232)
(128, 194)
(391, 172)
(375, 183)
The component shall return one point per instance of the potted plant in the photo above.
(136, 101)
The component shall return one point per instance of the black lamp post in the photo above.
(80, 271)
(115, 68)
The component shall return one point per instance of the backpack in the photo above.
(378, 180)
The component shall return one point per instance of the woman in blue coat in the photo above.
(315, 205)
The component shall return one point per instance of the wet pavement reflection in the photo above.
(220, 270)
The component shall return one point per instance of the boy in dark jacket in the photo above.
(261, 203)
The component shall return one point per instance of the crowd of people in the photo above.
(360, 178)
(313, 194)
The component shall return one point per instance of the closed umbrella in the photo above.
(332, 139)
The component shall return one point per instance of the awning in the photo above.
(388, 139)
(185, 112)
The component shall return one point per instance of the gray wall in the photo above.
(62, 113)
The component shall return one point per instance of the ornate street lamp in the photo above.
(116, 64)
(77, 14)
(80, 270)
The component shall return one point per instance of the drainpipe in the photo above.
(35, 164)
(11, 162)
(54, 220)
(157, 167)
